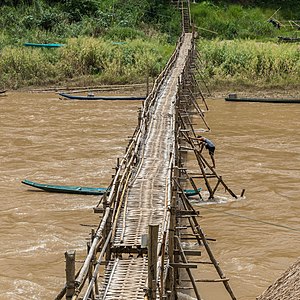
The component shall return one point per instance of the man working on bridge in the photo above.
(209, 145)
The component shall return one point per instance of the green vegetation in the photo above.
(117, 41)
(249, 62)
(232, 22)
(240, 22)
(91, 31)
(84, 60)
(239, 45)
(48, 21)
(289, 9)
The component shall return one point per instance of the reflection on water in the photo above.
(48, 140)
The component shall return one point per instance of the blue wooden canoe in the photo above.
(81, 189)
(190, 193)
(66, 189)
(92, 97)
(43, 45)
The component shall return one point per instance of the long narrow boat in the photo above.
(288, 39)
(65, 189)
(80, 189)
(43, 45)
(92, 97)
(234, 98)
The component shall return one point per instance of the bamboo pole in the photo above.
(214, 261)
(152, 261)
(184, 259)
(70, 273)
(209, 252)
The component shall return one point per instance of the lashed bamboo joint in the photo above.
(146, 200)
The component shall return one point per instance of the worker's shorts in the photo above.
(211, 150)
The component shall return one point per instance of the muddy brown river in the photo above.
(48, 140)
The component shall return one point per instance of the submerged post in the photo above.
(152, 261)
(70, 273)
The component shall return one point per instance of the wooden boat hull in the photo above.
(266, 100)
(190, 193)
(81, 189)
(77, 97)
(66, 189)
(43, 45)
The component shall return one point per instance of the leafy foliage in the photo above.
(231, 22)
(250, 62)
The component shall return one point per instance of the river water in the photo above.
(49, 140)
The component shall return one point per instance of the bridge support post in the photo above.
(70, 273)
(152, 261)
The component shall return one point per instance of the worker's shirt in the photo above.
(209, 143)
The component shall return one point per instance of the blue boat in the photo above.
(81, 189)
(93, 97)
(65, 189)
(43, 45)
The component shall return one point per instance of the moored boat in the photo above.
(53, 45)
(66, 189)
(235, 98)
(81, 189)
(93, 97)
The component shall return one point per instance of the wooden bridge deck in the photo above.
(146, 196)
(125, 279)
(146, 199)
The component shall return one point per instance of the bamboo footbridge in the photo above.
(137, 250)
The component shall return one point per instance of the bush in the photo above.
(250, 62)
(76, 9)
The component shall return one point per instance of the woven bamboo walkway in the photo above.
(146, 198)
(146, 213)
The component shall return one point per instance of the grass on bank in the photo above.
(250, 63)
(91, 56)
(103, 60)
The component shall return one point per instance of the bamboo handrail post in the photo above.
(70, 273)
(107, 235)
(152, 261)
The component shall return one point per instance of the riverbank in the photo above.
(217, 91)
